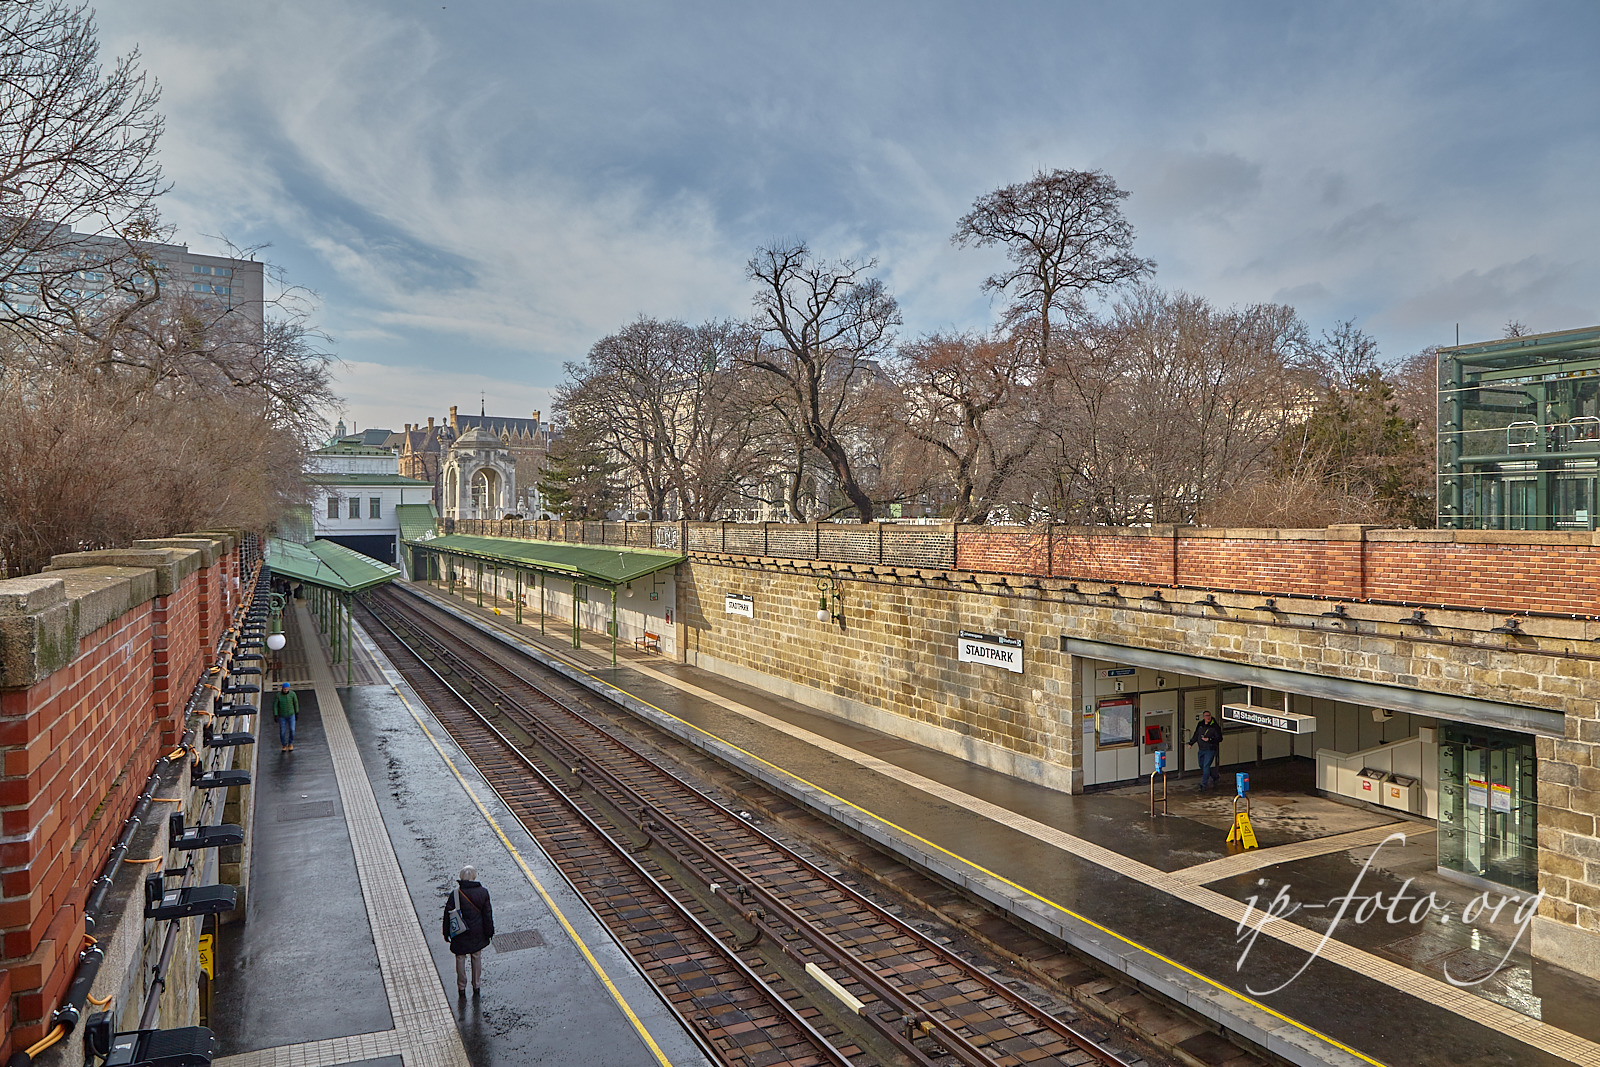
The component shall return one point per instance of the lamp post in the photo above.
(276, 639)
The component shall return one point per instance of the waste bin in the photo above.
(1400, 792)
(1369, 785)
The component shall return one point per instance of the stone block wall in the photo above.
(98, 657)
(891, 664)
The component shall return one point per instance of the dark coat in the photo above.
(1207, 734)
(479, 915)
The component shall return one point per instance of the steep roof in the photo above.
(497, 425)
(416, 520)
(325, 563)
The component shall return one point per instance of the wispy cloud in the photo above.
(480, 190)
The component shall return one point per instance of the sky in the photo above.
(476, 192)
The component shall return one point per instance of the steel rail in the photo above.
(783, 1009)
(819, 940)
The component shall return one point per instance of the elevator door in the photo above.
(1488, 806)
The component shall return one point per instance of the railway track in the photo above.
(766, 957)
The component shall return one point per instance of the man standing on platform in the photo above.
(1208, 735)
(284, 708)
(476, 929)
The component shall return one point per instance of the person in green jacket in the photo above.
(284, 709)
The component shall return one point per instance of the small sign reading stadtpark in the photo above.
(739, 604)
(1271, 718)
(993, 649)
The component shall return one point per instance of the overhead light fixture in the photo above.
(628, 591)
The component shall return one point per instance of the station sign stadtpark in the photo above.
(1269, 718)
(992, 649)
(739, 604)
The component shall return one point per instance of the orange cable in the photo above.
(49, 1039)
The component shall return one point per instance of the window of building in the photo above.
(333, 507)
(222, 272)
(201, 287)
(375, 507)
(201, 270)
(355, 507)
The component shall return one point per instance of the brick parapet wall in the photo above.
(98, 657)
(1503, 571)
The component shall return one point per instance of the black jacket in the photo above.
(1207, 734)
(479, 915)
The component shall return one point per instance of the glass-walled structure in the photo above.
(1488, 805)
(1519, 433)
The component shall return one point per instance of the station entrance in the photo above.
(1477, 781)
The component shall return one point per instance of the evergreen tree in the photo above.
(580, 480)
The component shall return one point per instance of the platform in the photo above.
(358, 835)
(1161, 899)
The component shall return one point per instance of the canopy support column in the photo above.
(577, 641)
(541, 603)
(349, 639)
(613, 626)
(518, 580)
(478, 585)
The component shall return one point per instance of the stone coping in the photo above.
(43, 616)
(171, 565)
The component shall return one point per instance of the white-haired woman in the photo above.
(478, 916)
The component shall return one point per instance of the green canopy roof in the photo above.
(416, 520)
(367, 479)
(327, 564)
(592, 563)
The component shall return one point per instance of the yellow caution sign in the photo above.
(208, 959)
(1242, 831)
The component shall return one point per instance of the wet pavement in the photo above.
(1382, 1018)
(302, 967)
(300, 981)
(541, 1002)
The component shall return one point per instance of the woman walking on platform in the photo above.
(475, 927)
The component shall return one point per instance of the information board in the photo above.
(1269, 718)
(739, 604)
(1117, 721)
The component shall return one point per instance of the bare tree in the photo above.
(1065, 235)
(967, 398)
(78, 174)
(670, 404)
(824, 328)
(1167, 404)
(1345, 355)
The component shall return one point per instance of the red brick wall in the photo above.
(177, 651)
(1002, 551)
(1510, 573)
(1290, 568)
(75, 750)
(1136, 560)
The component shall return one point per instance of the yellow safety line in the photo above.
(979, 867)
(577, 939)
